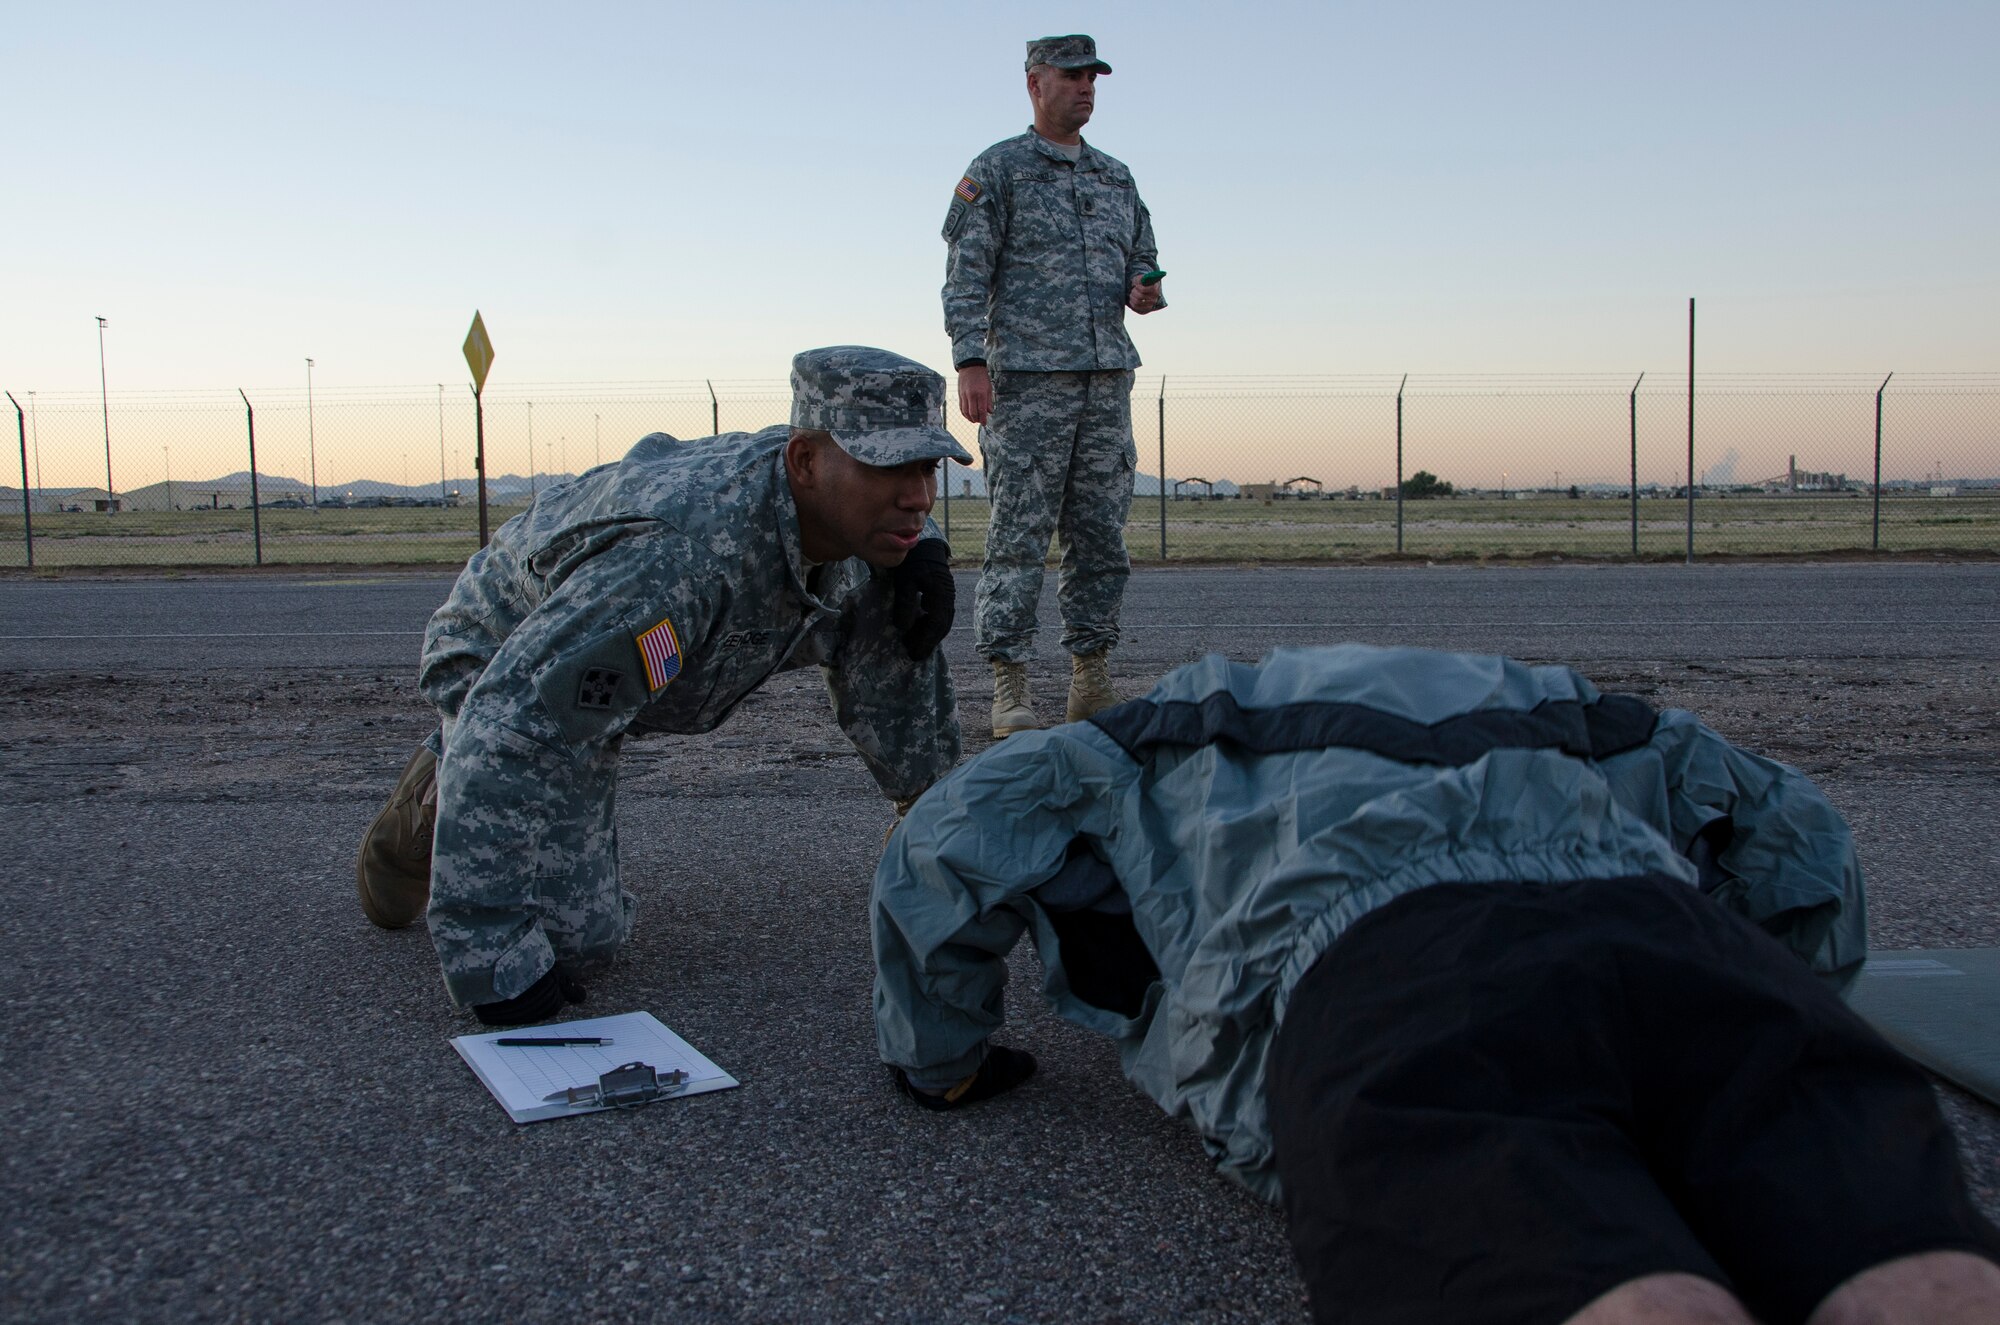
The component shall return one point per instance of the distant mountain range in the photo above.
(234, 489)
(512, 489)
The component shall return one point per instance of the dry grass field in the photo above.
(1460, 528)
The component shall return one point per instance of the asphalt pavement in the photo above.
(1897, 610)
(232, 1099)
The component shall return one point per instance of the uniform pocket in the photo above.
(594, 689)
(1109, 206)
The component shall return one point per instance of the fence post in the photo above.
(1635, 465)
(944, 421)
(1875, 540)
(1399, 461)
(256, 513)
(714, 410)
(27, 510)
(1690, 474)
(1163, 467)
(479, 456)
(443, 496)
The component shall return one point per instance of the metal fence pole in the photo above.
(1399, 461)
(104, 393)
(944, 421)
(443, 496)
(1875, 540)
(1635, 465)
(714, 410)
(1690, 475)
(479, 457)
(27, 516)
(1163, 468)
(256, 514)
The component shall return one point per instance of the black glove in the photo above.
(926, 597)
(538, 1002)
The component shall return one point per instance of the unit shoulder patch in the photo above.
(591, 690)
(598, 688)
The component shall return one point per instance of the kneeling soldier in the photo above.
(652, 595)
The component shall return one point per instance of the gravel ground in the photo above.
(233, 1099)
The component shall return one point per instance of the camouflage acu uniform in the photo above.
(1042, 254)
(648, 595)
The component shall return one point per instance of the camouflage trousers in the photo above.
(1059, 458)
(493, 938)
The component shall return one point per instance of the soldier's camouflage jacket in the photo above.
(648, 595)
(1042, 254)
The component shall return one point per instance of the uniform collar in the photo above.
(1086, 160)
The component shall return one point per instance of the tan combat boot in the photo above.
(1012, 710)
(1090, 684)
(393, 871)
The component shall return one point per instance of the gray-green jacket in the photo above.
(1251, 814)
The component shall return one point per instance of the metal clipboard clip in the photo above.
(625, 1087)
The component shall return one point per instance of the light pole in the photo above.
(167, 463)
(406, 471)
(35, 428)
(312, 453)
(104, 392)
(441, 480)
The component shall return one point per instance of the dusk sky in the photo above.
(665, 192)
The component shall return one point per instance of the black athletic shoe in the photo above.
(1002, 1070)
(538, 1002)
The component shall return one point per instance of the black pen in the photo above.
(551, 1041)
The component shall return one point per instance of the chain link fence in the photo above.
(1229, 468)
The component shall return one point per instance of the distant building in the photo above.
(1795, 479)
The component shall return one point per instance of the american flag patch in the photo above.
(660, 649)
(967, 189)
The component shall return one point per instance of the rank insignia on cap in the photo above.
(967, 189)
(660, 648)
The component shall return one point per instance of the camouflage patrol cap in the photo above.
(1075, 51)
(883, 409)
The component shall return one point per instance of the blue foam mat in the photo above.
(1941, 1006)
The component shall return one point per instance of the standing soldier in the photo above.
(652, 595)
(1050, 245)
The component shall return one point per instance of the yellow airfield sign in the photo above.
(478, 351)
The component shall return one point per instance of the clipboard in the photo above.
(523, 1078)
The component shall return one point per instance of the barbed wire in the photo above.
(1270, 385)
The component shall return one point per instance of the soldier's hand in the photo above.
(1142, 299)
(975, 392)
(926, 597)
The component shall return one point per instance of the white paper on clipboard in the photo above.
(522, 1077)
